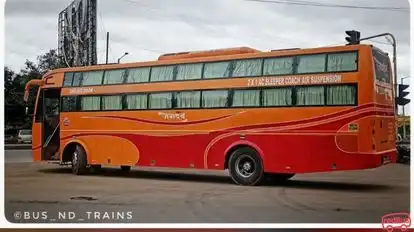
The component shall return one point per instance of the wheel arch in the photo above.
(70, 146)
(240, 144)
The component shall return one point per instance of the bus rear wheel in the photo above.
(246, 167)
(79, 162)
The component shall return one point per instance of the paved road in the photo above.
(42, 191)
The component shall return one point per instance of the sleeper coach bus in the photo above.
(257, 114)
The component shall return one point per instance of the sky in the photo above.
(148, 28)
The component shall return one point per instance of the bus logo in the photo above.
(66, 121)
(396, 221)
(173, 116)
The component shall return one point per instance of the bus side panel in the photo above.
(37, 141)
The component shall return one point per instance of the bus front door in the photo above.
(50, 125)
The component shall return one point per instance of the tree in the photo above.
(15, 84)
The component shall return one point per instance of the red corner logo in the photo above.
(400, 221)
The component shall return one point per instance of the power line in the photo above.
(316, 4)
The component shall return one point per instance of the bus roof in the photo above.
(210, 56)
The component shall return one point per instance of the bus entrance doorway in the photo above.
(50, 124)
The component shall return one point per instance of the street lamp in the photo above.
(119, 59)
(403, 111)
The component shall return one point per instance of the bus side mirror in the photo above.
(26, 111)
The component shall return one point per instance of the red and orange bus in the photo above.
(257, 114)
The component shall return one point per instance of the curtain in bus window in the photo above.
(278, 66)
(342, 62)
(215, 98)
(138, 75)
(217, 69)
(92, 78)
(160, 100)
(277, 97)
(311, 64)
(114, 76)
(308, 96)
(247, 68)
(112, 102)
(136, 101)
(341, 95)
(188, 99)
(246, 98)
(165, 73)
(90, 103)
(189, 71)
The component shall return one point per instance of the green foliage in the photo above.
(14, 84)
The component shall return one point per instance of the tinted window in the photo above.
(338, 62)
(278, 66)
(138, 75)
(215, 98)
(164, 73)
(341, 95)
(310, 96)
(247, 68)
(69, 104)
(160, 100)
(89, 103)
(246, 98)
(68, 79)
(112, 102)
(92, 78)
(189, 71)
(77, 78)
(311, 63)
(277, 97)
(188, 99)
(217, 69)
(114, 76)
(136, 101)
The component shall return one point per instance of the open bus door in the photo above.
(45, 128)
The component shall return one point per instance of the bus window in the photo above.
(340, 62)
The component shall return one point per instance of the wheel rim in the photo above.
(74, 158)
(245, 166)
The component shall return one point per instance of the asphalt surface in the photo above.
(48, 193)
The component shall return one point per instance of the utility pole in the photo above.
(107, 46)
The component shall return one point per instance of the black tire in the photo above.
(246, 167)
(278, 177)
(79, 161)
(126, 168)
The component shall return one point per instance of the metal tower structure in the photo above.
(77, 33)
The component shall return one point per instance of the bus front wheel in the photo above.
(79, 163)
(246, 167)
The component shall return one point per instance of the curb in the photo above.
(17, 146)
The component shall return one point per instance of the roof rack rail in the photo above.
(284, 49)
(208, 53)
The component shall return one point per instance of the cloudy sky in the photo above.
(148, 28)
